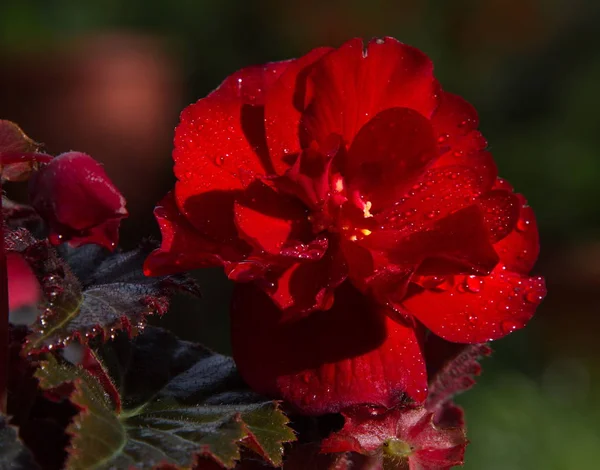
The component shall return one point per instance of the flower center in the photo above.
(396, 452)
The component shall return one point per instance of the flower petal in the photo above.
(182, 247)
(309, 285)
(78, 201)
(284, 105)
(500, 211)
(220, 147)
(328, 360)
(388, 153)
(460, 237)
(268, 220)
(478, 308)
(349, 86)
(520, 248)
(438, 193)
(455, 122)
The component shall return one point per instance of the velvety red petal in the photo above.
(220, 147)
(78, 201)
(388, 153)
(284, 104)
(182, 247)
(309, 177)
(327, 360)
(478, 308)
(23, 287)
(351, 85)
(269, 220)
(501, 213)
(455, 122)
(438, 193)
(309, 285)
(520, 249)
(461, 237)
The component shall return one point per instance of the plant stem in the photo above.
(4, 335)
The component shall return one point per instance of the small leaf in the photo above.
(179, 401)
(13, 453)
(18, 153)
(452, 369)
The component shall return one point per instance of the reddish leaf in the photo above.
(18, 153)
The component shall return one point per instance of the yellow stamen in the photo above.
(366, 209)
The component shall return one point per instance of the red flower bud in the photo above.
(78, 201)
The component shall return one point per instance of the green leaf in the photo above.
(91, 292)
(179, 400)
(13, 454)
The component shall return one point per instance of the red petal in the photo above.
(310, 285)
(182, 247)
(388, 153)
(78, 201)
(500, 211)
(349, 86)
(220, 147)
(308, 178)
(460, 237)
(268, 220)
(455, 122)
(520, 249)
(284, 105)
(328, 360)
(23, 287)
(439, 192)
(478, 308)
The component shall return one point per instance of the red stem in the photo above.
(4, 335)
(8, 158)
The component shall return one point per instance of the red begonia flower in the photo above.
(348, 170)
(73, 194)
(402, 438)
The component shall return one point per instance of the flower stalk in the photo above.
(4, 336)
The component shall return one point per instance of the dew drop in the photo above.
(523, 224)
(508, 326)
(533, 297)
(219, 160)
(471, 319)
(473, 284)
(443, 138)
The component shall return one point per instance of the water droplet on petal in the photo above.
(508, 326)
(473, 284)
(219, 160)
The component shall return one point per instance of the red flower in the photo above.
(78, 201)
(402, 438)
(347, 171)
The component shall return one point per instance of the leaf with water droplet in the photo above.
(90, 291)
(179, 401)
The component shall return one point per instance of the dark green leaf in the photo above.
(13, 454)
(180, 401)
(90, 291)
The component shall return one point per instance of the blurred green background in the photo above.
(109, 78)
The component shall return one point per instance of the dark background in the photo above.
(109, 78)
